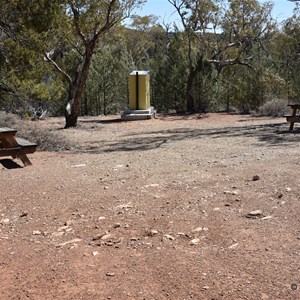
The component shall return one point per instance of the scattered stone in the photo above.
(69, 242)
(233, 246)
(230, 192)
(254, 214)
(200, 229)
(4, 221)
(194, 242)
(109, 243)
(118, 167)
(267, 218)
(153, 232)
(106, 236)
(79, 166)
(69, 223)
(152, 185)
(23, 214)
(36, 232)
(169, 237)
(181, 234)
(101, 236)
(255, 178)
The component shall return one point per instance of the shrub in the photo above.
(274, 108)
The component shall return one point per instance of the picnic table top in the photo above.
(297, 105)
(7, 130)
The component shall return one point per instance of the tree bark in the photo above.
(190, 104)
(76, 90)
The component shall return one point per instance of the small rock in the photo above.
(101, 218)
(153, 232)
(233, 246)
(36, 232)
(206, 287)
(4, 221)
(106, 236)
(181, 234)
(288, 189)
(69, 242)
(95, 253)
(230, 192)
(197, 229)
(117, 225)
(134, 239)
(194, 242)
(109, 243)
(255, 178)
(169, 237)
(69, 223)
(23, 214)
(254, 214)
(79, 166)
(267, 218)
(118, 167)
(110, 274)
(200, 229)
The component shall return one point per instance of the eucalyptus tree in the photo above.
(287, 51)
(106, 88)
(67, 29)
(22, 72)
(221, 34)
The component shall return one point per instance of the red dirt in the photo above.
(155, 209)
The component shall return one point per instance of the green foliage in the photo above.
(106, 88)
(227, 55)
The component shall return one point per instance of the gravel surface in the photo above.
(177, 207)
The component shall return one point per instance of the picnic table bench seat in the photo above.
(15, 146)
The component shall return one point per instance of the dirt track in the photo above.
(155, 209)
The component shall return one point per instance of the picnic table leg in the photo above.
(293, 117)
(10, 142)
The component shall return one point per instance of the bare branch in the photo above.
(77, 22)
(56, 66)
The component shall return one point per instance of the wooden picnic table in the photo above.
(294, 117)
(10, 145)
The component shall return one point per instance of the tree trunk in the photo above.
(75, 93)
(190, 105)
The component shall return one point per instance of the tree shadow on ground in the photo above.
(108, 121)
(263, 135)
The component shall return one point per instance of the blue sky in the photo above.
(164, 10)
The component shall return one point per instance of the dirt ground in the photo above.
(177, 207)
